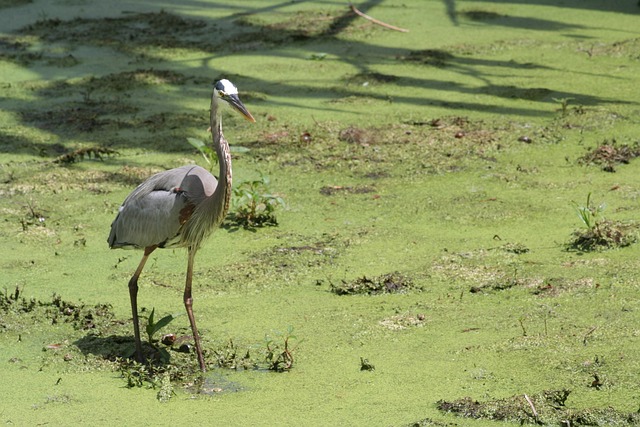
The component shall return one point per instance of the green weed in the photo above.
(161, 378)
(229, 357)
(12, 301)
(600, 233)
(134, 373)
(564, 104)
(154, 327)
(33, 217)
(280, 356)
(254, 204)
(87, 152)
(590, 215)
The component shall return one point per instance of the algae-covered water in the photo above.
(429, 265)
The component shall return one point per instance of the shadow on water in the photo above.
(115, 347)
(107, 347)
(629, 6)
(127, 109)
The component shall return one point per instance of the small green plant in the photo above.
(564, 104)
(600, 233)
(153, 327)
(229, 356)
(317, 56)
(141, 375)
(34, 217)
(280, 356)
(590, 215)
(134, 373)
(254, 205)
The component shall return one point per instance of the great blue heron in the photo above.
(179, 208)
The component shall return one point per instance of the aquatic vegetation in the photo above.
(610, 154)
(546, 408)
(365, 365)
(426, 176)
(600, 233)
(280, 354)
(387, 283)
(254, 205)
(85, 152)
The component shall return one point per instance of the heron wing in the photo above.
(154, 213)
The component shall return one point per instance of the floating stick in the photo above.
(375, 21)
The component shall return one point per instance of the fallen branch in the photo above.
(375, 21)
(533, 408)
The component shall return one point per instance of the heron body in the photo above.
(178, 208)
(160, 211)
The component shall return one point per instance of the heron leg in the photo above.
(188, 304)
(133, 294)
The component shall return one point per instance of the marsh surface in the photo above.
(427, 268)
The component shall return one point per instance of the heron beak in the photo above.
(235, 102)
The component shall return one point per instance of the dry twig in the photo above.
(375, 21)
(533, 408)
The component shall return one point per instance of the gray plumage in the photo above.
(178, 208)
(161, 211)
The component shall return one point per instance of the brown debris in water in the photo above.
(610, 154)
(385, 284)
(88, 152)
(545, 408)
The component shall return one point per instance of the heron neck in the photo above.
(222, 194)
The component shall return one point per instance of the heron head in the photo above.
(228, 93)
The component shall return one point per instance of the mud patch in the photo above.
(555, 286)
(331, 190)
(162, 30)
(490, 270)
(116, 82)
(17, 50)
(390, 283)
(355, 135)
(86, 117)
(444, 144)
(82, 153)
(428, 422)
(399, 322)
(610, 154)
(606, 234)
(288, 262)
(15, 307)
(297, 26)
(623, 48)
(370, 79)
(546, 408)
